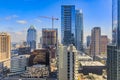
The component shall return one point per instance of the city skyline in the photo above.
(18, 16)
(59, 39)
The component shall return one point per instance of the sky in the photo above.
(16, 16)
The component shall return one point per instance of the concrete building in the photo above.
(50, 40)
(101, 58)
(84, 58)
(5, 47)
(62, 62)
(39, 56)
(31, 37)
(24, 50)
(49, 37)
(95, 42)
(94, 67)
(103, 45)
(79, 30)
(36, 71)
(19, 63)
(67, 63)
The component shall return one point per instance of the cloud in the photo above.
(15, 16)
(17, 36)
(18, 33)
(38, 20)
(11, 17)
(21, 21)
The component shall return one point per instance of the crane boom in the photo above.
(52, 18)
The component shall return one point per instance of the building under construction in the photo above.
(49, 37)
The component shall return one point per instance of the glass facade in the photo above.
(112, 62)
(116, 22)
(118, 28)
(31, 37)
(88, 39)
(68, 24)
(79, 30)
(113, 51)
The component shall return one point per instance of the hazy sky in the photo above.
(17, 15)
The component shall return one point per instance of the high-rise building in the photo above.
(103, 45)
(67, 63)
(115, 19)
(62, 62)
(49, 37)
(88, 41)
(95, 42)
(113, 50)
(72, 26)
(5, 44)
(79, 30)
(68, 24)
(113, 67)
(31, 37)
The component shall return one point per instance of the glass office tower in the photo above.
(113, 50)
(79, 30)
(31, 37)
(114, 21)
(68, 24)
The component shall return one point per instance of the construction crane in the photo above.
(52, 18)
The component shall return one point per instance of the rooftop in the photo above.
(4, 33)
(91, 63)
(82, 57)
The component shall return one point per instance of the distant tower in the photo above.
(88, 41)
(31, 37)
(67, 63)
(68, 24)
(95, 42)
(5, 44)
(79, 30)
(103, 45)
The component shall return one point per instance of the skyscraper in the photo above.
(5, 44)
(79, 30)
(95, 42)
(103, 45)
(88, 41)
(31, 37)
(113, 50)
(114, 21)
(67, 63)
(68, 24)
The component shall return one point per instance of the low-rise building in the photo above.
(84, 58)
(94, 67)
(19, 63)
(36, 71)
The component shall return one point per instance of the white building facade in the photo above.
(67, 63)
